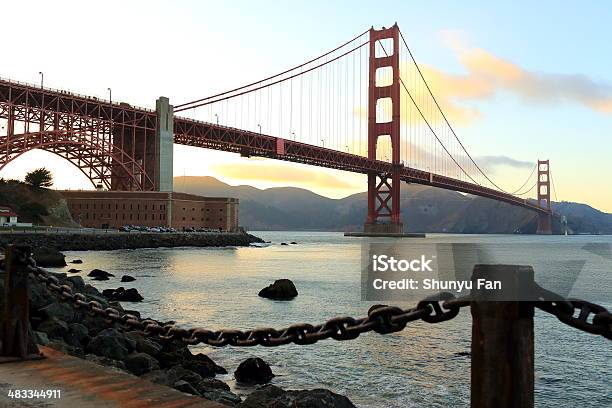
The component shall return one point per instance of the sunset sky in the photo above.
(519, 81)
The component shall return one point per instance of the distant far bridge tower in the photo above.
(543, 185)
(384, 189)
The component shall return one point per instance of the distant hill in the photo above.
(40, 206)
(424, 209)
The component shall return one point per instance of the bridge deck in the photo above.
(85, 384)
(29, 101)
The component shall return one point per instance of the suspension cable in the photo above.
(526, 181)
(208, 102)
(427, 122)
(528, 191)
(273, 76)
(552, 181)
(444, 116)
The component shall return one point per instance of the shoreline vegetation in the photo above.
(59, 325)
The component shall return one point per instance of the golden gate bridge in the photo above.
(363, 107)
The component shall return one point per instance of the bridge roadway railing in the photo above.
(64, 93)
(502, 331)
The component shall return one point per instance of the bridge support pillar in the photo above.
(164, 142)
(543, 184)
(384, 189)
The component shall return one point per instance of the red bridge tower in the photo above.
(384, 189)
(543, 185)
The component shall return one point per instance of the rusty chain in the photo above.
(381, 319)
(565, 309)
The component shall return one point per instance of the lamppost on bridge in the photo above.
(259, 126)
(322, 143)
(293, 133)
(347, 149)
(217, 117)
(110, 95)
(42, 79)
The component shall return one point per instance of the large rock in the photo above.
(38, 294)
(181, 373)
(253, 371)
(122, 295)
(144, 344)
(281, 289)
(171, 376)
(211, 384)
(160, 377)
(95, 323)
(76, 261)
(217, 390)
(40, 338)
(77, 283)
(140, 363)
(203, 365)
(48, 257)
(223, 397)
(53, 327)
(127, 278)
(270, 396)
(61, 310)
(105, 361)
(74, 270)
(110, 343)
(99, 274)
(185, 387)
(77, 335)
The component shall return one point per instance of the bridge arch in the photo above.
(99, 162)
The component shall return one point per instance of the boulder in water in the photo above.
(253, 371)
(270, 396)
(48, 257)
(127, 278)
(281, 289)
(122, 295)
(99, 274)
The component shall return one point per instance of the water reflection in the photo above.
(425, 365)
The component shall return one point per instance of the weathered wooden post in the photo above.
(502, 338)
(16, 342)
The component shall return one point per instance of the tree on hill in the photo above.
(39, 178)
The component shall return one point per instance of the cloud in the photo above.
(488, 163)
(487, 74)
(281, 174)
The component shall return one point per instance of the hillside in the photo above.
(40, 206)
(424, 209)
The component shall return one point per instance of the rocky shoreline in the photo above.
(58, 324)
(70, 241)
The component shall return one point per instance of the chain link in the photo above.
(381, 319)
(565, 309)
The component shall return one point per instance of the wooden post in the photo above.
(16, 341)
(502, 340)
